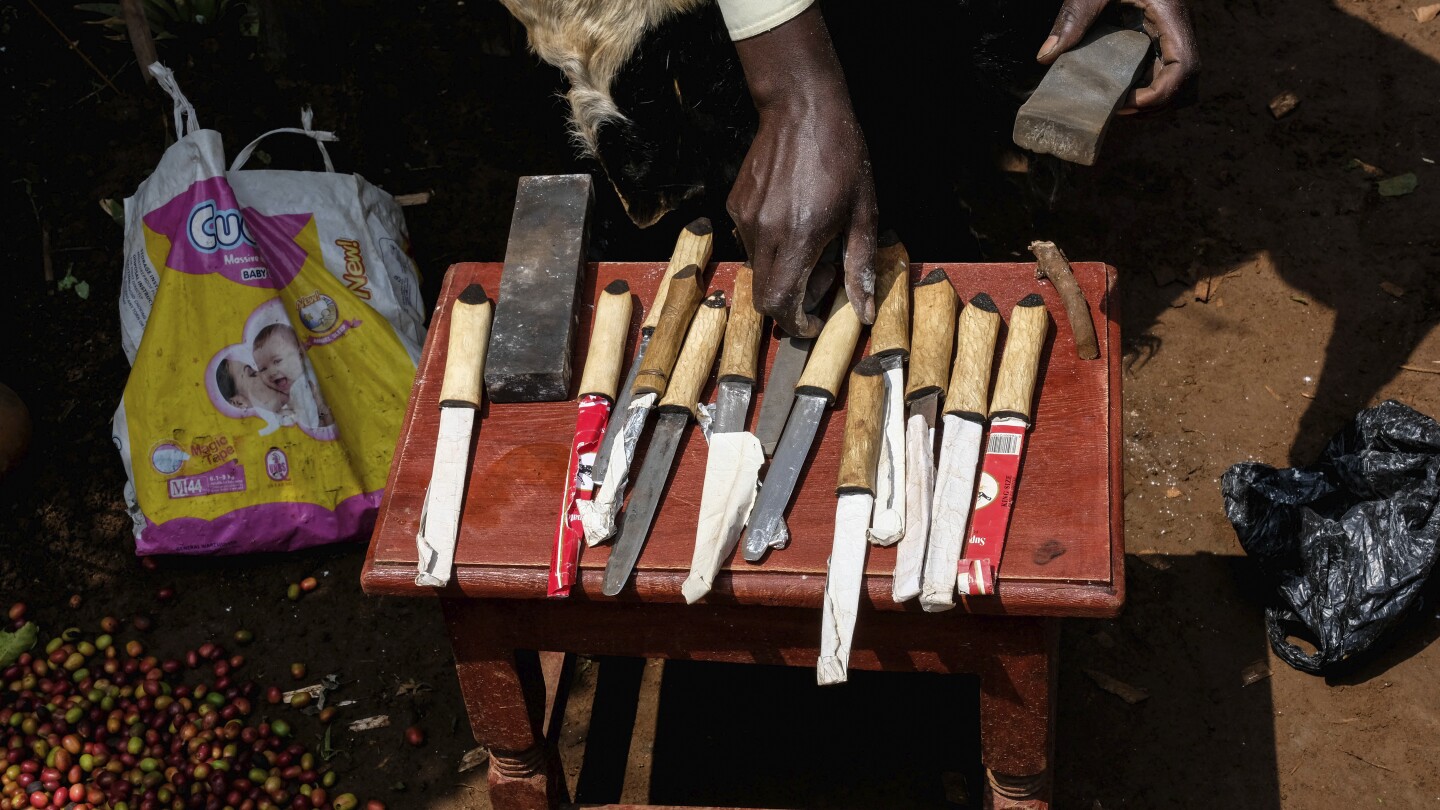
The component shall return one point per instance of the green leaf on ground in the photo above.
(12, 644)
(1399, 185)
(82, 289)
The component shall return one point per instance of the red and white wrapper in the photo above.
(590, 424)
(994, 496)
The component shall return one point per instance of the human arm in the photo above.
(806, 179)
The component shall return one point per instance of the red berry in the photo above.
(415, 736)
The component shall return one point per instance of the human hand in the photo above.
(806, 179)
(1166, 21)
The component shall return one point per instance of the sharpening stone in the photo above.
(1067, 114)
(537, 314)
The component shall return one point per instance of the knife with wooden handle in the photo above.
(461, 395)
(692, 246)
(682, 296)
(816, 390)
(855, 499)
(1011, 415)
(979, 326)
(598, 386)
(682, 396)
(890, 344)
(932, 339)
(733, 464)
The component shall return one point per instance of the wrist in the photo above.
(793, 66)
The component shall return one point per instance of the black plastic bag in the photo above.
(1348, 541)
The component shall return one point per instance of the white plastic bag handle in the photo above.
(307, 117)
(185, 120)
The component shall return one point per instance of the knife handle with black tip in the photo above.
(692, 247)
(1020, 362)
(609, 329)
(979, 326)
(932, 335)
(692, 369)
(855, 497)
(891, 333)
(460, 399)
(1011, 410)
(965, 409)
(830, 356)
(932, 339)
(682, 296)
(740, 357)
(470, 317)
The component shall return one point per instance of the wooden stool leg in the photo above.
(1017, 721)
(504, 696)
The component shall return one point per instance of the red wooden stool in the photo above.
(1063, 556)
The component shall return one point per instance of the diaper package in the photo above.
(272, 320)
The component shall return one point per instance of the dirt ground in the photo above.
(1297, 333)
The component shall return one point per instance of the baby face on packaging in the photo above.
(279, 360)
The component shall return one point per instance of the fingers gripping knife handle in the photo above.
(608, 332)
(470, 317)
(682, 296)
(742, 334)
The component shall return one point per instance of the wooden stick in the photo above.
(47, 259)
(740, 356)
(1052, 265)
(75, 46)
(140, 40)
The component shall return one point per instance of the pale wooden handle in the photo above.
(863, 412)
(465, 353)
(974, 357)
(691, 247)
(742, 334)
(932, 335)
(607, 341)
(1015, 385)
(681, 297)
(891, 333)
(830, 355)
(692, 369)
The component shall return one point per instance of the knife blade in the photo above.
(733, 463)
(854, 502)
(890, 344)
(1011, 414)
(785, 371)
(692, 369)
(460, 398)
(682, 296)
(790, 357)
(597, 390)
(932, 339)
(692, 246)
(815, 391)
(979, 324)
